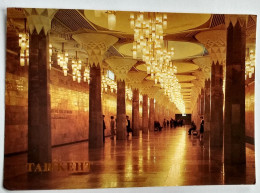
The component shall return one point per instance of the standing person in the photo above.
(128, 128)
(164, 123)
(171, 122)
(104, 127)
(112, 127)
(168, 123)
(201, 127)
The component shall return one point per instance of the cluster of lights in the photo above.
(63, 60)
(50, 54)
(76, 69)
(107, 82)
(148, 33)
(140, 98)
(111, 18)
(148, 43)
(24, 51)
(128, 93)
(250, 64)
(86, 74)
(172, 89)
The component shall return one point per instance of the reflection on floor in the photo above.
(166, 158)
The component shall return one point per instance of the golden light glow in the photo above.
(108, 83)
(128, 93)
(76, 69)
(149, 45)
(86, 74)
(250, 63)
(24, 51)
(63, 59)
(111, 16)
(50, 54)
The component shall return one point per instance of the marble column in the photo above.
(95, 45)
(120, 67)
(234, 122)
(134, 79)
(207, 105)
(121, 111)
(215, 42)
(135, 112)
(216, 115)
(39, 128)
(151, 115)
(95, 108)
(39, 108)
(145, 114)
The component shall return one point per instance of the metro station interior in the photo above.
(69, 71)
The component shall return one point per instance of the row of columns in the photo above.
(39, 129)
(226, 120)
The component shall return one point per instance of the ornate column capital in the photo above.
(234, 19)
(215, 42)
(145, 86)
(95, 45)
(135, 78)
(205, 64)
(152, 91)
(120, 66)
(39, 19)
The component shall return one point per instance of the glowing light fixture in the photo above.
(24, 51)
(111, 16)
(63, 59)
(86, 74)
(50, 54)
(250, 63)
(76, 69)
(150, 46)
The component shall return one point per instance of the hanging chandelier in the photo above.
(111, 19)
(150, 46)
(50, 55)
(63, 59)
(128, 93)
(108, 83)
(250, 63)
(24, 48)
(86, 74)
(76, 69)
(148, 33)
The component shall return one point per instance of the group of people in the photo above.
(173, 123)
(194, 127)
(113, 126)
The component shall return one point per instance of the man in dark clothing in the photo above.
(104, 127)
(201, 127)
(128, 128)
(193, 127)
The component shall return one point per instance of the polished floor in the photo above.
(166, 158)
